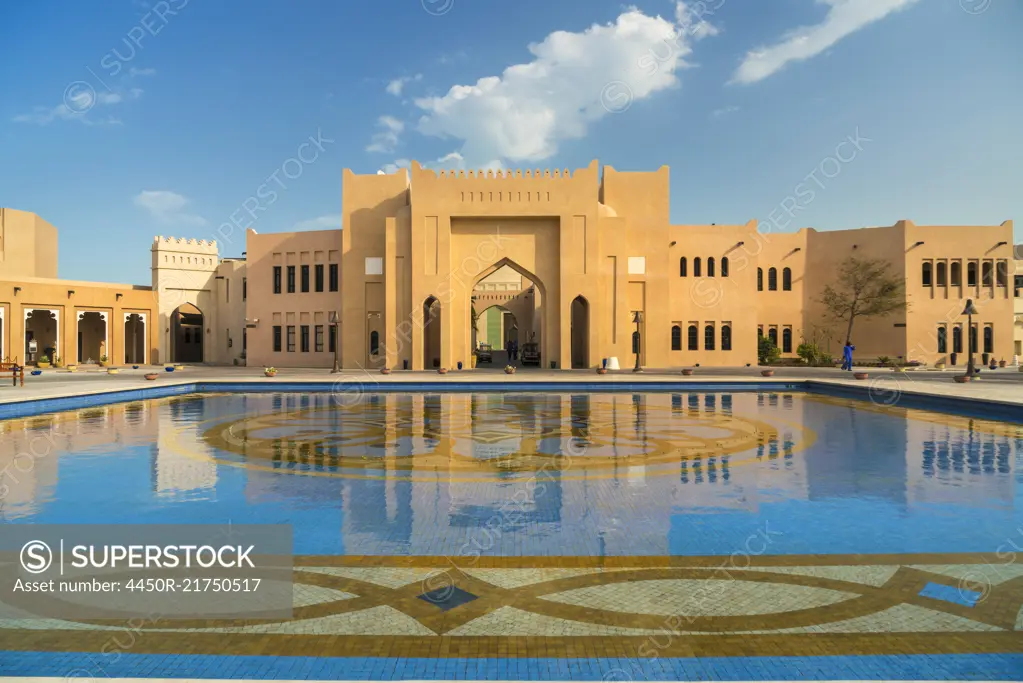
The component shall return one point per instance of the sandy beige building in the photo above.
(419, 251)
(585, 264)
(42, 316)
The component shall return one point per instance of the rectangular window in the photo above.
(319, 277)
(277, 279)
(227, 290)
(277, 338)
(305, 278)
(332, 339)
(291, 279)
(245, 339)
(333, 277)
(319, 339)
(305, 339)
(245, 288)
(291, 339)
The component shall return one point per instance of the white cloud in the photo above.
(167, 207)
(844, 18)
(328, 222)
(387, 139)
(80, 101)
(398, 84)
(393, 167)
(141, 72)
(573, 80)
(724, 111)
(451, 161)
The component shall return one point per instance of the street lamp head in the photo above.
(334, 319)
(970, 308)
(637, 316)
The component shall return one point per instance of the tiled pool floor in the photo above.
(615, 537)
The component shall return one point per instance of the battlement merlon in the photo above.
(490, 174)
(185, 245)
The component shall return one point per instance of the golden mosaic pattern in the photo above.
(475, 438)
(782, 605)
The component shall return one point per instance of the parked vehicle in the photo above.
(485, 354)
(530, 354)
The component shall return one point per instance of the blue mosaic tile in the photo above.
(960, 596)
(82, 666)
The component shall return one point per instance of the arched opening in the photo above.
(772, 279)
(925, 275)
(710, 267)
(942, 339)
(986, 272)
(682, 267)
(971, 274)
(955, 272)
(786, 340)
(973, 339)
(580, 332)
(726, 337)
(941, 279)
(496, 336)
(786, 279)
(508, 284)
(989, 339)
(42, 335)
(374, 343)
(676, 337)
(431, 332)
(957, 339)
(772, 334)
(760, 279)
(92, 337)
(187, 334)
(696, 267)
(693, 334)
(724, 266)
(134, 338)
(708, 338)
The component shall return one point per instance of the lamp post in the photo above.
(969, 312)
(335, 323)
(637, 317)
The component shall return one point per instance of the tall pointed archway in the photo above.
(537, 294)
(431, 333)
(580, 321)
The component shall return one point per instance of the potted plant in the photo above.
(112, 371)
(767, 373)
(58, 362)
(169, 368)
(442, 371)
(939, 365)
(687, 371)
(103, 361)
(179, 367)
(270, 372)
(602, 370)
(43, 362)
(1002, 363)
(509, 369)
(151, 376)
(385, 371)
(860, 375)
(72, 367)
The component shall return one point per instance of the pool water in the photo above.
(590, 536)
(531, 474)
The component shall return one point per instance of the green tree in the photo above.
(863, 288)
(767, 351)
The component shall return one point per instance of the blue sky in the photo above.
(126, 119)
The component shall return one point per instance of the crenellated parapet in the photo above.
(184, 244)
(490, 174)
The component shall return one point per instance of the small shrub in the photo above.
(767, 351)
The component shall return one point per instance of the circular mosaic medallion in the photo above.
(403, 436)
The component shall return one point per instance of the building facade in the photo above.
(585, 265)
(45, 318)
(419, 251)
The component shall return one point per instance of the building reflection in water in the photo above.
(530, 473)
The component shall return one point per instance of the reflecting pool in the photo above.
(530, 474)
